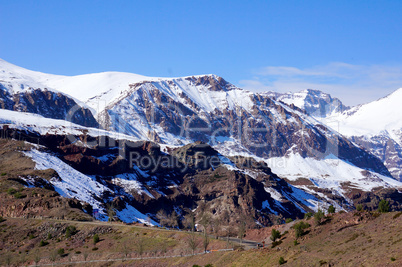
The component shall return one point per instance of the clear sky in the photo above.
(351, 49)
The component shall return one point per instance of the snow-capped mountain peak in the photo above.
(315, 102)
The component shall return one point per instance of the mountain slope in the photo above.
(27, 91)
(165, 119)
(377, 126)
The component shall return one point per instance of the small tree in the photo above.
(299, 228)
(319, 216)
(242, 230)
(383, 206)
(206, 242)
(288, 220)
(70, 230)
(111, 211)
(308, 215)
(173, 219)
(43, 243)
(205, 222)
(359, 207)
(60, 251)
(189, 221)
(331, 209)
(193, 242)
(96, 238)
(162, 217)
(275, 234)
(281, 260)
(216, 226)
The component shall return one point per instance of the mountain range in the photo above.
(199, 143)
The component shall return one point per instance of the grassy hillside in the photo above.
(347, 239)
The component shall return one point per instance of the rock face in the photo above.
(171, 184)
(47, 104)
(386, 149)
(193, 179)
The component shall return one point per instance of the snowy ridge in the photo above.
(314, 102)
(37, 123)
(383, 116)
(376, 126)
(96, 90)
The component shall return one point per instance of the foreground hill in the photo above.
(346, 239)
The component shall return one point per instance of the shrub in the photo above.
(281, 261)
(2, 219)
(73, 229)
(19, 195)
(353, 237)
(275, 234)
(322, 262)
(331, 209)
(3, 174)
(31, 236)
(394, 217)
(96, 238)
(359, 207)
(11, 191)
(94, 248)
(308, 215)
(288, 220)
(295, 242)
(209, 265)
(276, 243)
(43, 243)
(299, 228)
(318, 216)
(393, 259)
(383, 206)
(49, 236)
(60, 251)
(70, 230)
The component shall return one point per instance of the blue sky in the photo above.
(351, 49)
